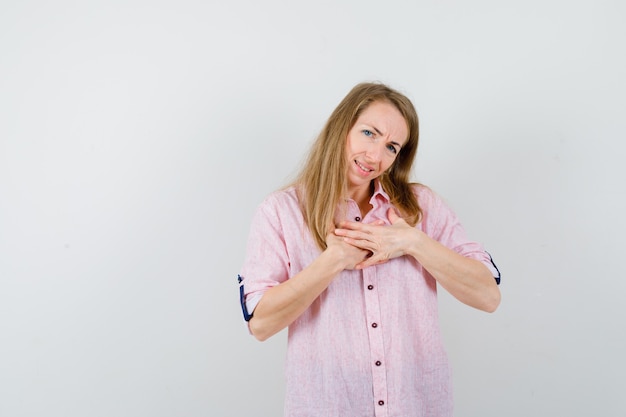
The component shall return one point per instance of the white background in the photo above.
(137, 138)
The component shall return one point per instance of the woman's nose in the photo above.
(374, 151)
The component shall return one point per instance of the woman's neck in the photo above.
(362, 196)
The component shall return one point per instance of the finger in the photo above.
(353, 225)
(341, 232)
(369, 262)
(360, 243)
(354, 234)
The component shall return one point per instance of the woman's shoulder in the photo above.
(282, 199)
(281, 209)
(424, 193)
(428, 199)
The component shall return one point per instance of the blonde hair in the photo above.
(322, 183)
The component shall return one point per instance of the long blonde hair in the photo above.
(322, 183)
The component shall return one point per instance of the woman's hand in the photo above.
(347, 254)
(381, 242)
(466, 279)
(285, 302)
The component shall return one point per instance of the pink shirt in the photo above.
(370, 344)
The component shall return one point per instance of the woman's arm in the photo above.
(466, 279)
(282, 304)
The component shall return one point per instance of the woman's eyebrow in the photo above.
(378, 132)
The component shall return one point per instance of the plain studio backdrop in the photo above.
(138, 137)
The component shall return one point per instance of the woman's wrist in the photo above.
(416, 243)
(333, 258)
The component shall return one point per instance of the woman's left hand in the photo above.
(383, 242)
(466, 279)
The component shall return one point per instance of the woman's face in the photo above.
(373, 143)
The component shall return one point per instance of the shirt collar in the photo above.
(378, 191)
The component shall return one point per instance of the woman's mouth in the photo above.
(363, 168)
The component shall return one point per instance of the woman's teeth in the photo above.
(362, 167)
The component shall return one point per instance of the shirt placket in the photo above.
(377, 348)
(374, 329)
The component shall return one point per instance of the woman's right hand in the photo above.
(347, 255)
(283, 303)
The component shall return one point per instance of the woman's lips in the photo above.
(363, 167)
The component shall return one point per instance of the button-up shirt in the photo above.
(370, 344)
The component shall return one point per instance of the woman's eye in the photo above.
(368, 133)
(392, 149)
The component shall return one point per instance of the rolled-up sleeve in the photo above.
(266, 263)
(441, 223)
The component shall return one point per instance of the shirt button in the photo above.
(357, 218)
(381, 402)
(374, 325)
(370, 287)
(378, 363)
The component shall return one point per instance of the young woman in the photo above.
(349, 257)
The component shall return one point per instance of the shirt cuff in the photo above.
(252, 300)
(493, 268)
